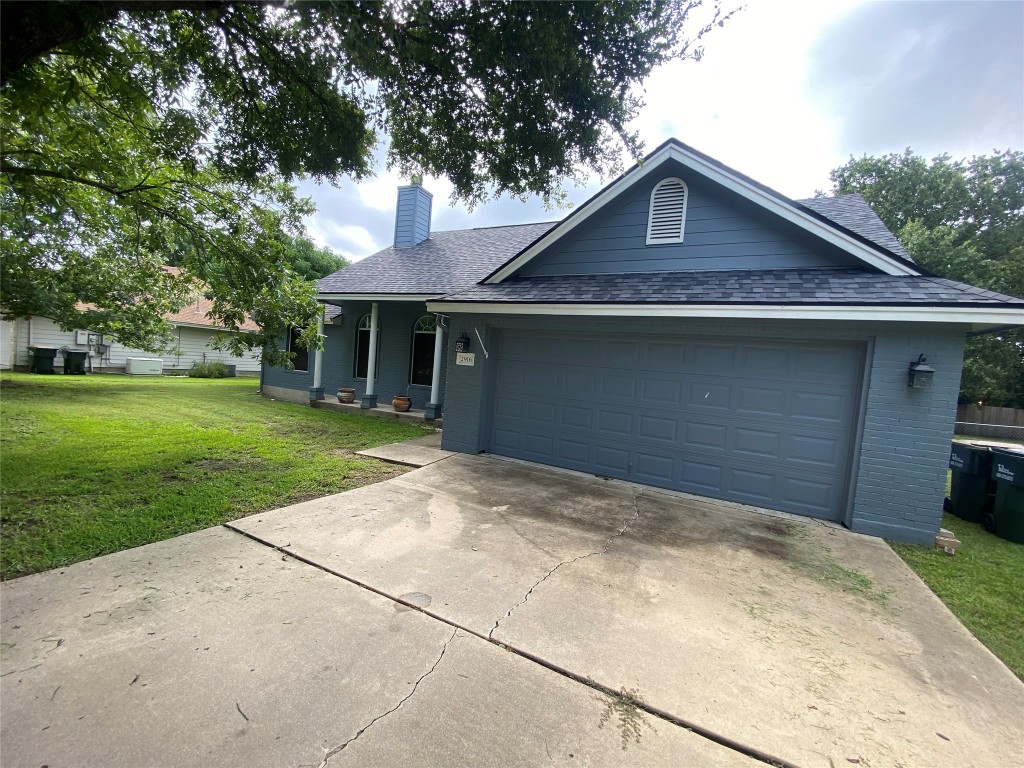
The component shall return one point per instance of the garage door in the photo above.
(767, 424)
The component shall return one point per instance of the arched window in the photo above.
(421, 369)
(363, 346)
(668, 212)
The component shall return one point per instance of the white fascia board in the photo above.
(210, 328)
(978, 315)
(376, 296)
(851, 245)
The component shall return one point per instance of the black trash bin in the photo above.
(41, 359)
(972, 487)
(74, 361)
(1006, 519)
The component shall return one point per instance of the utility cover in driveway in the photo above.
(767, 424)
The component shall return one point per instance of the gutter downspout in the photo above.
(369, 399)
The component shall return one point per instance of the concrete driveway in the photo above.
(481, 612)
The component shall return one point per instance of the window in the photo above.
(423, 333)
(668, 212)
(363, 346)
(301, 359)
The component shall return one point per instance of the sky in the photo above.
(786, 91)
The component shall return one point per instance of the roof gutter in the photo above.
(1002, 316)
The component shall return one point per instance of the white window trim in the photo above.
(650, 212)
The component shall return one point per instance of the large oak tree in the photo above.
(133, 130)
(964, 220)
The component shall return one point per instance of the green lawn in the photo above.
(96, 464)
(983, 584)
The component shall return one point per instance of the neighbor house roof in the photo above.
(848, 286)
(198, 313)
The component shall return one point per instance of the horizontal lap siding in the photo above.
(721, 232)
(900, 465)
(189, 345)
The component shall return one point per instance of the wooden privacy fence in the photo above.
(989, 421)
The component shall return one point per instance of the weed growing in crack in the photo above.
(628, 716)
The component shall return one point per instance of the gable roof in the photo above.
(456, 259)
(446, 262)
(807, 217)
(855, 214)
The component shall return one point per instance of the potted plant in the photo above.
(402, 403)
(346, 395)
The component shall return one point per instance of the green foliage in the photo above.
(83, 478)
(134, 134)
(214, 370)
(310, 261)
(963, 220)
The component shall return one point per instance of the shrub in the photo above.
(208, 371)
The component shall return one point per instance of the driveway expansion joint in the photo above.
(603, 550)
(661, 714)
(331, 753)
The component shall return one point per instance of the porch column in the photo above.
(433, 408)
(316, 392)
(370, 398)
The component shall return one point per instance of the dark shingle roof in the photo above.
(457, 259)
(855, 214)
(444, 263)
(769, 286)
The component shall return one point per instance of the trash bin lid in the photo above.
(1008, 465)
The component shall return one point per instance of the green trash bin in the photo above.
(74, 361)
(972, 487)
(1006, 519)
(41, 359)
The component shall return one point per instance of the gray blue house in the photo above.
(686, 328)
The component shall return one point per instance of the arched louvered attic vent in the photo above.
(668, 212)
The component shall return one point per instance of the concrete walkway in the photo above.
(412, 453)
(480, 612)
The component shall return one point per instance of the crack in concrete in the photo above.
(395, 708)
(602, 551)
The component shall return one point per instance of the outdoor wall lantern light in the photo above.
(462, 343)
(920, 374)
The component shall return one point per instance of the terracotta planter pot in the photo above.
(402, 403)
(346, 395)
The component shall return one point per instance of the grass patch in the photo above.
(982, 585)
(95, 464)
(818, 560)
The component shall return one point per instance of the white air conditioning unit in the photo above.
(143, 366)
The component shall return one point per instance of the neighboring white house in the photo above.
(193, 331)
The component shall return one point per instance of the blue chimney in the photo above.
(412, 216)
